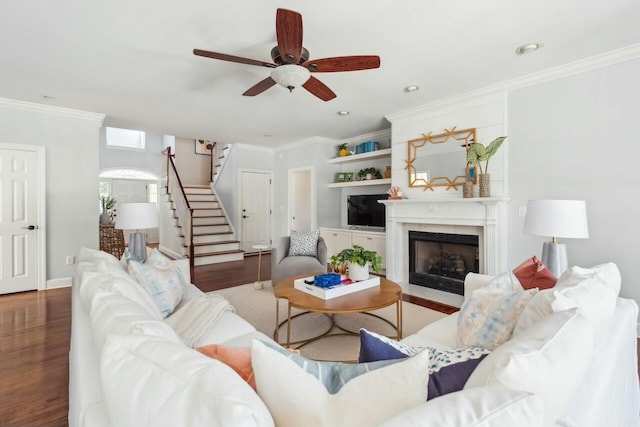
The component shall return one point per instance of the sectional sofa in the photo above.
(570, 362)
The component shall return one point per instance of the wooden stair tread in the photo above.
(221, 242)
(234, 251)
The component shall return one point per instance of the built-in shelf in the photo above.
(382, 181)
(385, 152)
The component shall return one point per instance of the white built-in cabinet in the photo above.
(338, 239)
(363, 160)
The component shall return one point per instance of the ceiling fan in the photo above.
(291, 64)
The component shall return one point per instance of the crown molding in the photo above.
(592, 63)
(305, 142)
(250, 147)
(379, 134)
(49, 109)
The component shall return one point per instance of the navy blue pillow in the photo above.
(449, 370)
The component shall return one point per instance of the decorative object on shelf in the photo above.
(348, 176)
(472, 176)
(387, 172)
(107, 204)
(342, 150)
(203, 146)
(428, 168)
(556, 218)
(340, 176)
(337, 264)
(367, 147)
(369, 173)
(478, 153)
(137, 216)
(359, 261)
(467, 190)
(394, 193)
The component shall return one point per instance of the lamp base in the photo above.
(138, 247)
(554, 256)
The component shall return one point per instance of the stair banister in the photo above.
(182, 205)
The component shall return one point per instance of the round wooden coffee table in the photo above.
(388, 293)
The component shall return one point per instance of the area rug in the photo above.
(258, 307)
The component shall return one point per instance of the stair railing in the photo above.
(181, 204)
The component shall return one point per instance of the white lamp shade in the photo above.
(136, 216)
(290, 76)
(557, 218)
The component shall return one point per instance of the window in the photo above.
(152, 192)
(125, 138)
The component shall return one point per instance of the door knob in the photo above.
(244, 216)
(31, 227)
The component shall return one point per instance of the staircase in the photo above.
(200, 218)
(213, 239)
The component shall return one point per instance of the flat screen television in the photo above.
(364, 210)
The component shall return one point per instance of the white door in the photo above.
(21, 209)
(301, 201)
(132, 190)
(255, 209)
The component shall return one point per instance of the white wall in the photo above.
(150, 160)
(71, 140)
(194, 169)
(575, 138)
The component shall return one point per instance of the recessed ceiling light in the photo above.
(528, 48)
(343, 113)
(411, 88)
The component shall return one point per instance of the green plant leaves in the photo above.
(494, 145)
(476, 153)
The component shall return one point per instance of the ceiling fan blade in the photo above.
(260, 87)
(289, 35)
(231, 58)
(343, 63)
(319, 89)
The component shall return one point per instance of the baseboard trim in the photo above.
(64, 282)
(167, 251)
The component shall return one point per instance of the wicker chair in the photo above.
(111, 240)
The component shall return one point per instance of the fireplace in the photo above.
(442, 260)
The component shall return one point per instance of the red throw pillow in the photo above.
(238, 359)
(534, 274)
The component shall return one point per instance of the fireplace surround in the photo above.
(483, 217)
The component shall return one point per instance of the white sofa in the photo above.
(128, 368)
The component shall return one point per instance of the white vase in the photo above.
(357, 272)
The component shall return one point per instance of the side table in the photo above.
(258, 284)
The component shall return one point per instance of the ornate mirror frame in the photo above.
(467, 136)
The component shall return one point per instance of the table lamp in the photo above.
(556, 218)
(137, 216)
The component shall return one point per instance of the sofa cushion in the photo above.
(374, 347)
(539, 307)
(532, 273)
(165, 285)
(487, 318)
(91, 255)
(478, 407)
(296, 398)
(548, 359)
(304, 244)
(113, 313)
(197, 316)
(149, 381)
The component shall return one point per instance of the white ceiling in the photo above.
(133, 61)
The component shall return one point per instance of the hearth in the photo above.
(442, 260)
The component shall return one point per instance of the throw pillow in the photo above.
(534, 274)
(487, 319)
(237, 358)
(166, 286)
(448, 369)
(303, 244)
(502, 283)
(196, 317)
(296, 398)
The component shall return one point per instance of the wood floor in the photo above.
(35, 328)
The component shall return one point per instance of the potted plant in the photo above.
(359, 260)
(478, 153)
(337, 264)
(107, 204)
(369, 173)
(342, 150)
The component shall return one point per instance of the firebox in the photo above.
(442, 260)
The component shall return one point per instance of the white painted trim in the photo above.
(173, 254)
(64, 282)
(599, 61)
(305, 142)
(49, 109)
(371, 136)
(41, 174)
(249, 147)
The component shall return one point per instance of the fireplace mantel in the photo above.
(486, 215)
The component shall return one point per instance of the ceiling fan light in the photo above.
(290, 76)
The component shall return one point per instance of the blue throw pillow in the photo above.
(449, 370)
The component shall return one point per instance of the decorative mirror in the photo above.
(439, 160)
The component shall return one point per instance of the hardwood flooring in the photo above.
(35, 328)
